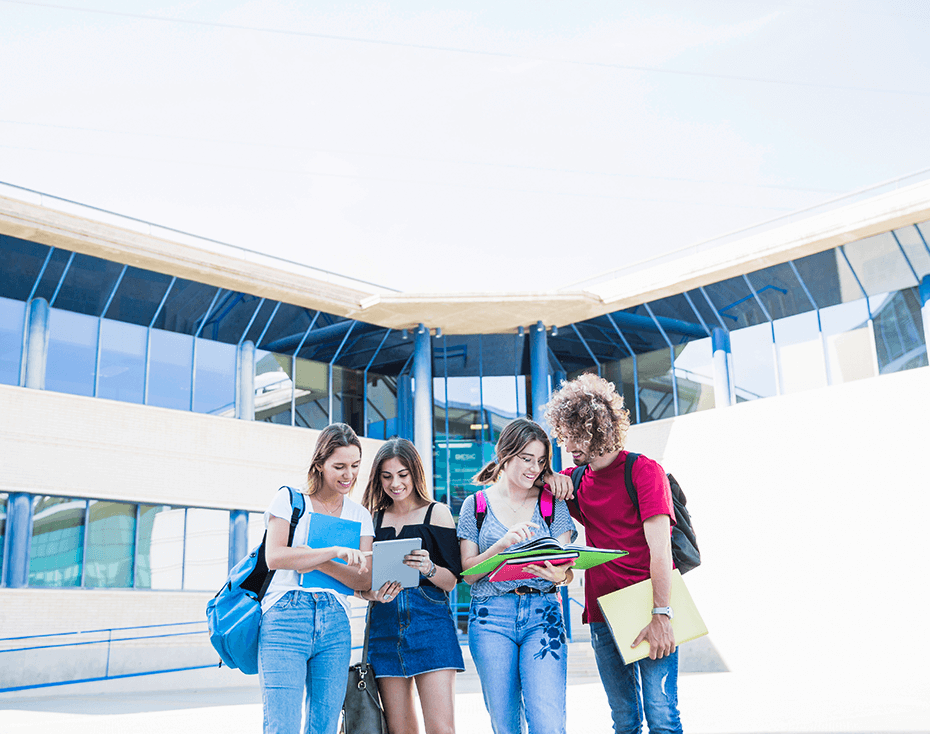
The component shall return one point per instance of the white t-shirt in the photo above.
(285, 580)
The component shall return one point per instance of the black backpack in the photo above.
(685, 551)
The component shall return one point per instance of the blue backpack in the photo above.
(234, 615)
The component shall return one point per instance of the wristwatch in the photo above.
(667, 611)
(432, 572)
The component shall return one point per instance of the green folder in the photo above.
(540, 548)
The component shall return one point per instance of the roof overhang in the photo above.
(167, 251)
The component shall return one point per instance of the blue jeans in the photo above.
(518, 645)
(303, 648)
(646, 685)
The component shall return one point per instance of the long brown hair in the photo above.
(513, 439)
(375, 498)
(334, 436)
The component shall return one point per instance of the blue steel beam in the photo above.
(674, 326)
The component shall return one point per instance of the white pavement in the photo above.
(857, 702)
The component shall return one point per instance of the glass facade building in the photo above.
(122, 333)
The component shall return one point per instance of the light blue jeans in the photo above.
(649, 686)
(518, 645)
(303, 648)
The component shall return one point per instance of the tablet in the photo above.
(387, 562)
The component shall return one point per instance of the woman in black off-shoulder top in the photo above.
(413, 635)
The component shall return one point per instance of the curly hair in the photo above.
(589, 410)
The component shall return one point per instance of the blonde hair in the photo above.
(513, 439)
(375, 498)
(589, 411)
(332, 437)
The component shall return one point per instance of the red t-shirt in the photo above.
(610, 521)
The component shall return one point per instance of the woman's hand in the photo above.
(517, 534)
(556, 574)
(420, 560)
(353, 557)
(387, 593)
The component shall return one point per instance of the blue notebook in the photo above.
(325, 531)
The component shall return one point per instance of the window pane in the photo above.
(620, 373)
(312, 396)
(72, 352)
(464, 401)
(899, 331)
(347, 397)
(111, 534)
(382, 406)
(753, 362)
(800, 353)
(849, 348)
(57, 541)
(655, 385)
(3, 504)
(206, 549)
(12, 320)
(500, 403)
(215, 384)
(916, 250)
(465, 459)
(170, 370)
(694, 371)
(161, 547)
(879, 264)
(272, 388)
(122, 361)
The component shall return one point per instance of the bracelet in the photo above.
(432, 572)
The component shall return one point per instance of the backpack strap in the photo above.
(297, 511)
(298, 505)
(546, 507)
(577, 474)
(628, 477)
(481, 508)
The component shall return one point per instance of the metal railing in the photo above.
(42, 661)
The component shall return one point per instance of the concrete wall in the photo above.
(811, 514)
(70, 445)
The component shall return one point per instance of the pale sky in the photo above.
(469, 146)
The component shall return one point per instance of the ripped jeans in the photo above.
(646, 686)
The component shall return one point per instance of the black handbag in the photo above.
(361, 710)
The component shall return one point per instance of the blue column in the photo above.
(539, 373)
(423, 398)
(925, 308)
(19, 532)
(245, 381)
(404, 406)
(35, 349)
(720, 340)
(238, 536)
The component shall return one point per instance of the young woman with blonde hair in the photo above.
(305, 642)
(515, 630)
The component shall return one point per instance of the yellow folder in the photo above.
(628, 610)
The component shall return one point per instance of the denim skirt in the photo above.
(414, 634)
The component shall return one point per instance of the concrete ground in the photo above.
(226, 702)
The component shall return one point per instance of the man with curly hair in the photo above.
(588, 418)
